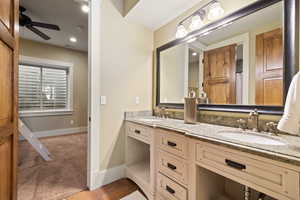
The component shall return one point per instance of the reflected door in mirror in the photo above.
(219, 75)
(269, 68)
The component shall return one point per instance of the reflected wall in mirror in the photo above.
(240, 63)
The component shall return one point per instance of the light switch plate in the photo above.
(137, 100)
(103, 100)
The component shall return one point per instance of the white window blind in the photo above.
(42, 88)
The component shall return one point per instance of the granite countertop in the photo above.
(288, 153)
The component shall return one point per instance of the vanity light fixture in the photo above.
(196, 23)
(212, 10)
(215, 11)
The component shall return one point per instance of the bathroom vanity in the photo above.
(172, 160)
(241, 63)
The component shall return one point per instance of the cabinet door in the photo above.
(9, 10)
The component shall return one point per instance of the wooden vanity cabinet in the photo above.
(140, 158)
(169, 165)
(276, 179)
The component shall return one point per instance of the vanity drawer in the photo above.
(263, 175)
(139, 132)
(173, 166)
(172, 142)
(170, 189)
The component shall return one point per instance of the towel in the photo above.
(290, 121)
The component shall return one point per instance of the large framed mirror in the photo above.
(241, 62)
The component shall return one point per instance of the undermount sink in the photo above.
(251, 137)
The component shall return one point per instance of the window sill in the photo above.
(45, 113)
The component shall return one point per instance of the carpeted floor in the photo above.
(57, 179)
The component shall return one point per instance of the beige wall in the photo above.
(126, 73)
(80, 85)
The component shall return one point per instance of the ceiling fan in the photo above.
(26, 21)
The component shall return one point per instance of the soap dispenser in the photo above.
(190, 108)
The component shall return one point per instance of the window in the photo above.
(44, 88)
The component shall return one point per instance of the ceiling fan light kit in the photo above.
(26, 21)
(212, 11)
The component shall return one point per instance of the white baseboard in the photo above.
(58, 132)
(108, 176)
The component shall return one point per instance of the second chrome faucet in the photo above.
(251, 123)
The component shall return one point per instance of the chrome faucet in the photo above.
(161, 112)
(253, 120)
(271, 127)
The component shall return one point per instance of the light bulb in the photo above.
(181, 31)
(215, 11)
(85, 8)
(196, 22)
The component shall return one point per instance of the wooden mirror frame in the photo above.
(291, 54)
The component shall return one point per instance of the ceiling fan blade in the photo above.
(22, 9)
(38, 32)
(45, 25)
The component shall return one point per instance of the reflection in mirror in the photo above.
(241, 63)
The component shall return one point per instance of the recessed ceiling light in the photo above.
(85, 8)
(194, 54)
(73, 39)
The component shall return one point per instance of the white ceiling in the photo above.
(66, 14)
(155, 13)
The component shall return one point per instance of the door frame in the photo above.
(93, 147)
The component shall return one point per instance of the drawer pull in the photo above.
(172, 144)
(170, 190)
(172, 167)
(235, 165)
(137, 131)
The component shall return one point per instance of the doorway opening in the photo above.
(53, 98)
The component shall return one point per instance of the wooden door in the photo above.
(9, 10)
(219, 75)
(269, 68)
